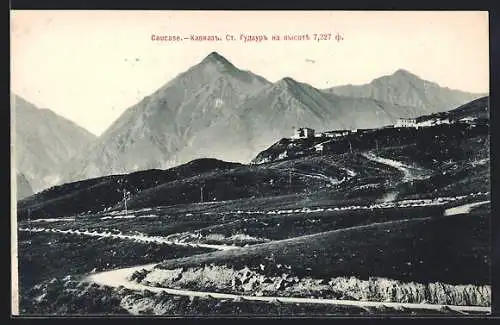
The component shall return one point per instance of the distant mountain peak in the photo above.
(220, 63)
(215, 57)
(287, 82)
(405, 73)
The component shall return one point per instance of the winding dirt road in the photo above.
(137, 238)
(410, 173)
(120, 278)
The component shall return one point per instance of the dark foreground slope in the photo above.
(420, 249)
(102, 193)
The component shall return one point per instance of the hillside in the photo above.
(102, 193)
(44, 142)
(373, 250)
(452, 157)
(477, 109)
(454, 163)
(373, 138)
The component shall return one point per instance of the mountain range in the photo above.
(43, 143)
(216, 110)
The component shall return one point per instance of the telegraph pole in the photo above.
(350, 147)
(201, 193)
(125, 197)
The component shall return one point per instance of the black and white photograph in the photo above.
(250, 163)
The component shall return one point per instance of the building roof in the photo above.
(337, 131)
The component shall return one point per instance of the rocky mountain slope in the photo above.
(151, 133)
(44, 142)
(407, 89)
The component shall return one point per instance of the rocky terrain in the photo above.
(407, 89)
(250, 282)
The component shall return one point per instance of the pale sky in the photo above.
(90, 66)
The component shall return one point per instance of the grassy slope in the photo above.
(268, 180)
(103, 192)
(295, 177)
(276, 227)
(44, 257)
(421, 250)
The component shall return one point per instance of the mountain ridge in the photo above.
(407, 89)
(194, 99)
(217, 110)
(43, 142)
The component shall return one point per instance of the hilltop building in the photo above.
(421, 122)
(303, 133)
(406, 123)
(336, 133)
(432, 122)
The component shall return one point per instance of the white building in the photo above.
(302, 133)
(336, 133)
(426, 123)
(433, 122)
(443, 121)
(319, 147)
(467, 119)
(406, 123)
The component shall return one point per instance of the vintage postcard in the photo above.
(250, 163)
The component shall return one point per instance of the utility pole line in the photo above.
(125, 200)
